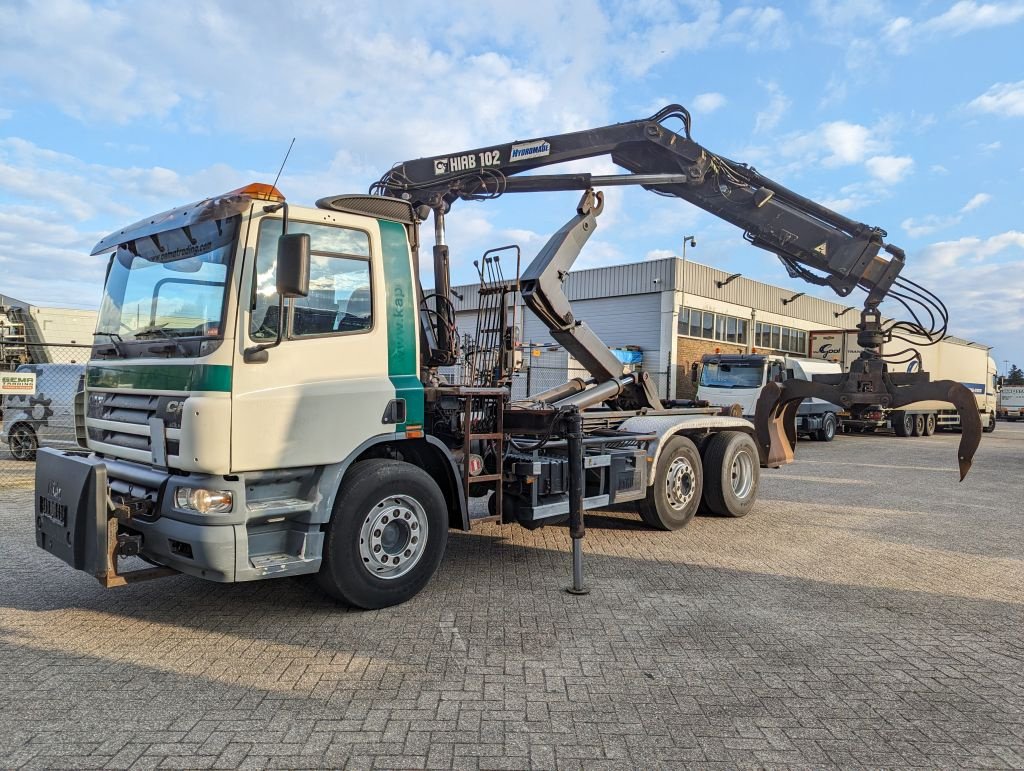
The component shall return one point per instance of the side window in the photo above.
(339, 299)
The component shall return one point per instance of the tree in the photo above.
(1015, 377)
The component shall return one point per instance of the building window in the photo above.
(712, 326)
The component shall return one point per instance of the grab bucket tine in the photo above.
(966, 405)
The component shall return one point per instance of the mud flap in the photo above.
(775, 415)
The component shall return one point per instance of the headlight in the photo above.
(203, 501)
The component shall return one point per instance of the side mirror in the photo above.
(693, 372)
(1000, 381)
(293, 265)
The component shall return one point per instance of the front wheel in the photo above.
(387, 534)
(23, 442)
(675, 495)
(829, 424)
(732, 474)
(988, 429)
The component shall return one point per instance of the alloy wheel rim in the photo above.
(393, 537)
(742, 475)
(680, 483)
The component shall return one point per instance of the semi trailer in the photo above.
(265, 396)
(1011, 403)
(958, 360)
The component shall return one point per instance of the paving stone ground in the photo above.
(868, 613)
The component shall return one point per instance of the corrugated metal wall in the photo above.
(700, 281)
(618, 321)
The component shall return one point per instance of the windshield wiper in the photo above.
(115, 341)
(167, 336)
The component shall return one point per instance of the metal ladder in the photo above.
(483, 405)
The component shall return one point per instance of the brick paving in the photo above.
(869, 612)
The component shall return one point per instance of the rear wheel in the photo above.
(918, 425)
(387, 534)
(929, 424)
(902, 423)
(732, 474)
(829, 424)
(675, 495)
(23, 442)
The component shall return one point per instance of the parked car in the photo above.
(45, 418)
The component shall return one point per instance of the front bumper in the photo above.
(90, 513)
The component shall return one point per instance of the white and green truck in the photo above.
(264, 396)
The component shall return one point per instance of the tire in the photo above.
(23, 442)
(902, 423)
(829, 425)
(918, 426)
(675, 495)
(930, 423)
(732, 473)
(385, 511)
(988, 429)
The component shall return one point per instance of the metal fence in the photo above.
(38, 409)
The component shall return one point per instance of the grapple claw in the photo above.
(775, 417)
(966, 405)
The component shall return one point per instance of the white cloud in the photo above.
(977, 201)
(778, 104)
(757, 28)
(889, 169)
(966, 16)
(982, 282)
(1006, 99)
(709, 102)
(971, 250)
(847, 143)
(930, 223)
(938, 168)
(659, 254)
(990, 147)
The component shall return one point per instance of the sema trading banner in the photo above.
(17, 382)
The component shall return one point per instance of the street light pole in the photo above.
(688, 240)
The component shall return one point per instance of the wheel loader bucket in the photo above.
(775, 415)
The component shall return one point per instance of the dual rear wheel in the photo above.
(724, 477)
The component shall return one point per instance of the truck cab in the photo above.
(726, 380)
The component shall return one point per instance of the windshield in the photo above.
(729, 375)
(171, 284)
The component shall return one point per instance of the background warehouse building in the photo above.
(672, 312)
(35, 334)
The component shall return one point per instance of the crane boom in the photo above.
(814, 243)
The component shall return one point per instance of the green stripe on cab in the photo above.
(160, 377)
(403, 362)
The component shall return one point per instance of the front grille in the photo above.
(129, 409)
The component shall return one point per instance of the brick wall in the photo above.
(688, 351)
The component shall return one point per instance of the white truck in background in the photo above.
(952, 358)
(728, 380)
(1011, 403)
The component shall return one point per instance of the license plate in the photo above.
(52, 510)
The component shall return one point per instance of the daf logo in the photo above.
(54, 490)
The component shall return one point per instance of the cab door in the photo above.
(325, 389)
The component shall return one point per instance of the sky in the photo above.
(903, 115)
